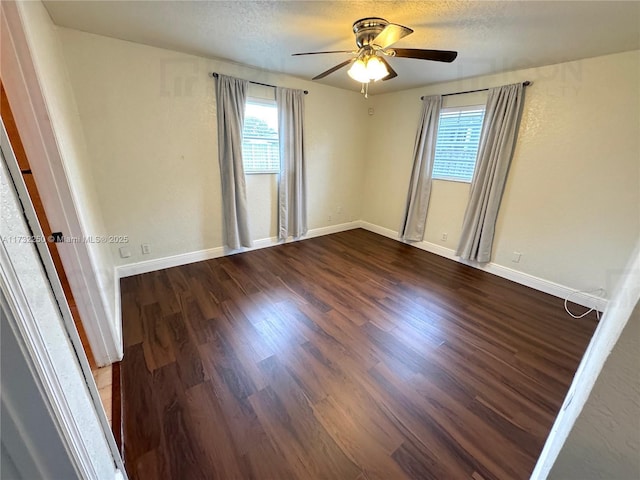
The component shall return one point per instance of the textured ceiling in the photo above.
(490, 37)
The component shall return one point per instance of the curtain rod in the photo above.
(215, 75)
(526, 83)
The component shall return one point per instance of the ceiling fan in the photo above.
(374, 36)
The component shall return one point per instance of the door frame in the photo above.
(32, 336)
(21, 81)
(626, 295)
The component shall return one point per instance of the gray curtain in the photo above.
(497, 141)
(231, 95)
(415, 216)
(292, 198)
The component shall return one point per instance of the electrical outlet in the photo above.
(515, 258)
(146, 249)
(125, 252)
(444, 236)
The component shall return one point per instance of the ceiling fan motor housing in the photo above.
(366, 29)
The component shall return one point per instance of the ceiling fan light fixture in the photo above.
(376, 69)
(358, 71)
(369, 68)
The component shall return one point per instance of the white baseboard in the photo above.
(341, 227)
(118, 315)
(200, 255)
(546, 286)
(168, 262)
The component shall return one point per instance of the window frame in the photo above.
(265, 103)
(464, 108)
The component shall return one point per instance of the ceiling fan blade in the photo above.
(322, 53)
(391, 34)
(333, 69)
(435, 55)
(392, 72)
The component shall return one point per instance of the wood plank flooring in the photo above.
(349, 356)
(109, 383)
(103, 376)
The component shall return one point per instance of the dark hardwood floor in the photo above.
(349, 356)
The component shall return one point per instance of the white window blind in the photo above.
(260, 145)
(457, 143)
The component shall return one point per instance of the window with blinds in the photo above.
(457, 143)
(260, 144)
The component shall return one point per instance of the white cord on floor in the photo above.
(601, 293)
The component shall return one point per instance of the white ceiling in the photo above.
(490, 37)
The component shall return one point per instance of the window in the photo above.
(457, 143)
(260, 147)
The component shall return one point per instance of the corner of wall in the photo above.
(624, 300)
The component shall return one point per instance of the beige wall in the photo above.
(604, 443)
(150, 119)
(572, 200)
(571, 204)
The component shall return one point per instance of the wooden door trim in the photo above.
(29, 107)
(25, 169)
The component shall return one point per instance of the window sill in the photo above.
(457, 180)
